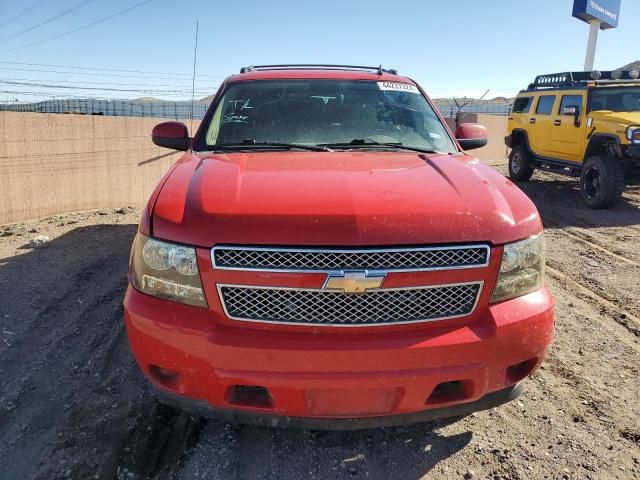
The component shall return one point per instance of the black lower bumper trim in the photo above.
(204, 409)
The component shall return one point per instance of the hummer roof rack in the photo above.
(573, 79)
(317, 66)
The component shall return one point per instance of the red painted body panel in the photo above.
(170, 129)
(359, 198)
(340, 198)
(471, 130)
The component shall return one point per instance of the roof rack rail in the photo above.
(318, 66)
(572, 79)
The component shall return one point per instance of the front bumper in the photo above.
(322, 379)
(205, 409)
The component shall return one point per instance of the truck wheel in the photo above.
(601, 182)
(520, 168)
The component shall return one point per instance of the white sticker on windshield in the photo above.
(398, 87)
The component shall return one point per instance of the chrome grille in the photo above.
(325, 260)
(318, 307)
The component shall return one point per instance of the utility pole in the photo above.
(193, 81)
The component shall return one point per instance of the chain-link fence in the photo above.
(116, 108)
(182, 110)
(449, 109)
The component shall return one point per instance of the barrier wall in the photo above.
(60, 163)
(56, 163)
(495, 151)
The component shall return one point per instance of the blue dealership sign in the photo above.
(605, 11)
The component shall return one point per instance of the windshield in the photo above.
(333, 113)
(618, 99)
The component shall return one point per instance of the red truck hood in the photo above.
(340, 198)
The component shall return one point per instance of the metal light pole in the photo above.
(594, 27)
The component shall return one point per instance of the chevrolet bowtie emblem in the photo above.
(354, 282)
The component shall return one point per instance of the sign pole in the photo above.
(600, 15)
(594, 27)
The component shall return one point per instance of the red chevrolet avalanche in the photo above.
(327, 255)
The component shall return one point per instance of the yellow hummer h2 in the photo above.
(583, 124)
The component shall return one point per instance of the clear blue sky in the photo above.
(454, 47)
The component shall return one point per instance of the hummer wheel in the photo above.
(520, 168)
(601, 182)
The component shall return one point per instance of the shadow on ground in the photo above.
(71, 396)
(240, 452)
(560, 205)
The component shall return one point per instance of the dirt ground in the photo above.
(73, 404)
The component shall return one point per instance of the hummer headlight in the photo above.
(166, 270)
(633, 134)
(521, 269)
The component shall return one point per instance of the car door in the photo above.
(540, 126)
(519, 115)
(568, 131)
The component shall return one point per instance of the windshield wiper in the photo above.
(253, 143)
(367, 142)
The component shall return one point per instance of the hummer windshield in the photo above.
(616, 99)
(325, 114)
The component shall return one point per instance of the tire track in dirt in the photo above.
(588, 240)
(627, 320)
(594, 383)
(156, 446)
(56, 339)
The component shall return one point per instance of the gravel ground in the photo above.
(73, 404)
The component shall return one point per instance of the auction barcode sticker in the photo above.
(398, 87)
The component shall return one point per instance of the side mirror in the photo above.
(574, 111)
(174, 135)
(471, 135)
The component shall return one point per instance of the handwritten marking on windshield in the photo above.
(245, 104)
(233, 118)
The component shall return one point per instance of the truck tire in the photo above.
(601, 182)
(520, 168)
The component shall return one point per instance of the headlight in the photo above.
(633, 135)
(166, 270)
(521, 269)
